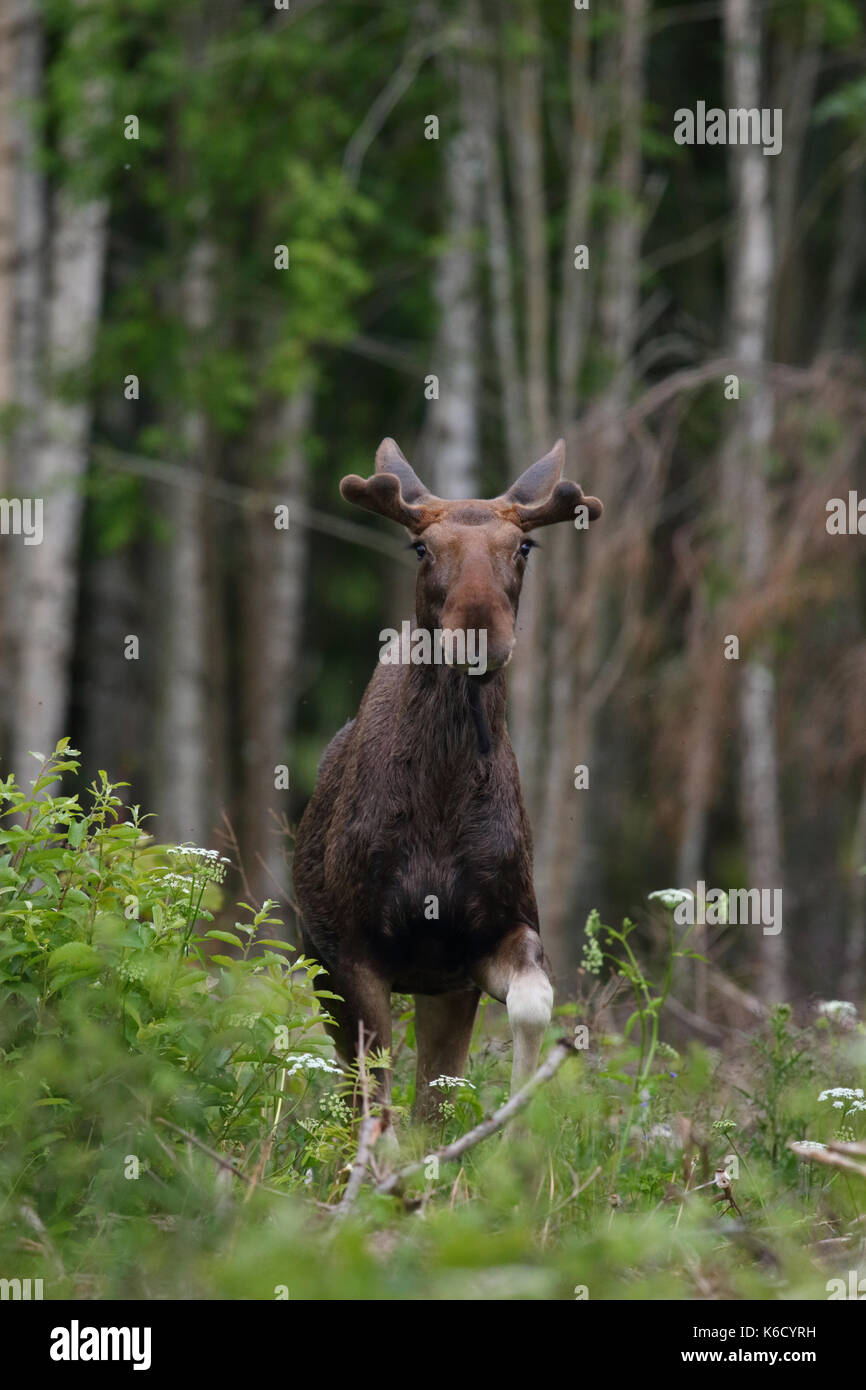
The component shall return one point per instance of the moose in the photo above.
(413, 859)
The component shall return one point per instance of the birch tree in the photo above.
(58, 439)
(451, 440)
(182, 723)
(744, 473)
(581, 636)
(273, 590)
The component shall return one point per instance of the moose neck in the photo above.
(479, 718)
(465, 715)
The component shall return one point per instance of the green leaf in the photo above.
(76, 956)
(77, 831)
(227, 936)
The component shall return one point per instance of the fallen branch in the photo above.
(368, 1133)
(857, 1147)
(554, 1060)
(833, 1156)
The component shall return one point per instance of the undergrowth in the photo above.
(174, 1123)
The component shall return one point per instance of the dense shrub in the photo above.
(173, 1122)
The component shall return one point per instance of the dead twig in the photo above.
(449, 1152)
(575, 1191)
(230, 840)
(223, 1163)
(367, 1136)
(835, 1155)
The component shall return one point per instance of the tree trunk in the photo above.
(847, 260)
(744, 481)
(499, 263)
(796, 97)
(575, 296)
(7, 239)
(854, 957)
(7, 345)
(451, 443)
(28, 228)
(23, 213)
(567, 860)
(523, 111)
(272, 600)
(56, 456)
(183, 803)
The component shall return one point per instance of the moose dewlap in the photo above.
(418, 797)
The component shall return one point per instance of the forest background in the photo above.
(239, 243)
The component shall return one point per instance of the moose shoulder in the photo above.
(413, 860)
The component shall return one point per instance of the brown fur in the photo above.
(412, 799)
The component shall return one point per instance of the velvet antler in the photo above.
(541, 497)
(394, 491)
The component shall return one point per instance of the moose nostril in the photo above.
(499, 656)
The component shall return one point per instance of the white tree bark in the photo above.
(272, 597)
(28, 228)
(54, 435)
(23, 212)
(451, 443)
(744, 466)
(182, 722)
(582, 562)
(499, 264)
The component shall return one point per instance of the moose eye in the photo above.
(420, 549)
(525, 547)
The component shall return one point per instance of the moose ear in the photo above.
(394, 491)
(541, 497)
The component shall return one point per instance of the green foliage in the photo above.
(784, 1059)
(848, 103)
(121, 1024)
(169, 1110)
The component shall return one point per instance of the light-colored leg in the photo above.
(443, 1032)
(515, 975)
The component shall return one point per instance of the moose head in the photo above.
(472, 553)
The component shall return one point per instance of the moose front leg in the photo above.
(366, 999)
(515, 975)
(443, 1032)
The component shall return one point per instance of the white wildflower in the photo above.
(207, 864)
(198, 853)
(840, 1094)
(450, 1083)
(306, 1061)
(179, 881)
(671, 897)
(838, 1011)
